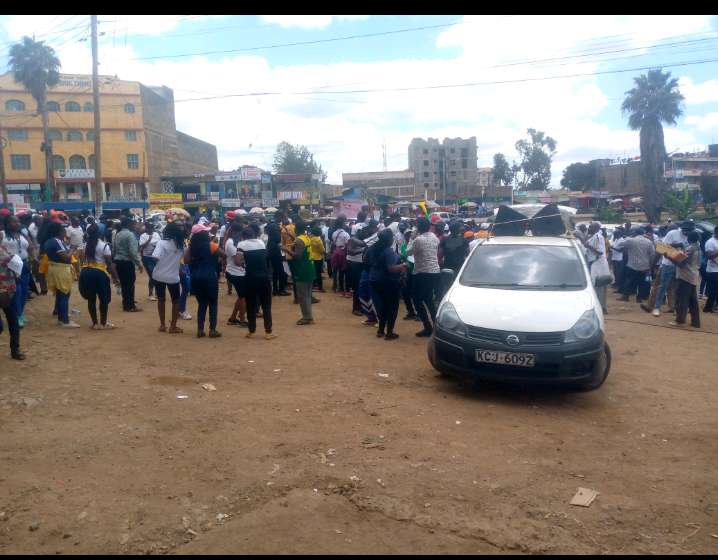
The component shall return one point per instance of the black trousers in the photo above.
(711, 290)
(279, 277)
(636, 280)
(290, 262)
(406, 294)
(687, 300)
(318, 269)
(258, 289)
(126, 274)
(425, 285)
(388, 293)
(355, 269)
(13, 327)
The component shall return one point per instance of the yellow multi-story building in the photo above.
(140, 142)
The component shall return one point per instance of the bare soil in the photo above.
(305, 448)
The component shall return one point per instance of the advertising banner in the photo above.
(123, 199)
(212, 196)
(228, 176)
(165, 198)
(351, 209)
(267, 194)
(251, 174)
(191, 196)
(232, 202)
(17, 208)
(266, 178)
(74, 196)
(72, 175)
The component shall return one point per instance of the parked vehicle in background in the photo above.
(446, 216)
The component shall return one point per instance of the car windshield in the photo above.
(524, 267)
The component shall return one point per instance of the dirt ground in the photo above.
(98, 450)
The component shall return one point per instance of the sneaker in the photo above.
(152, 298)
(270, 336)
(186, 316)
(380, 334)
(391, 336)
(20, 322)
(702, 296)
(54, 312)
(656, 312)
(426, 333)
(70, 325)
(357, 312)
(410, 317)
(249, 335)
(370, 322)
(674, 324)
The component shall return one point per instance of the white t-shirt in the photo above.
(231, 250)
(340, 238)
(16, 247)
(596, 241)
(675, 236)
(712, 264)
(356, 228)
(102, 250)
(76, 234)
(617, 249)
(32, 230)
(222, 231)
(167, 267)
(147, 252)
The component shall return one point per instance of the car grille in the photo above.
(492, 336)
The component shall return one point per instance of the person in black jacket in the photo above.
(274, 256)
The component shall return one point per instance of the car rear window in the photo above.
(524, 267)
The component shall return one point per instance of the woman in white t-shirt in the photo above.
(235, 275)
(339, 256)
(95, 279)
(167, 258)
(148, 242)
(18, 244)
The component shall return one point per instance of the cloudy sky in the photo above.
(344, 84)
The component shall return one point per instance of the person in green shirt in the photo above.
(406, 292)
(303, 271)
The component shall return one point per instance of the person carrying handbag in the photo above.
(10, 266)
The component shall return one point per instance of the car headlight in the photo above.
(449, 320)
(585, 328)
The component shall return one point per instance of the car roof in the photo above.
(530, 240)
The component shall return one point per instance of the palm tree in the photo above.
(37, 68)
(653, 101)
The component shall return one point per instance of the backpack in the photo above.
(7, 278)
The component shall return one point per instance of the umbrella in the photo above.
(256, 210)
(270, 209)
(431, 205)
(403, 203)
(637, 200)
(175, 211)
(240, 211)
(470, 205)
(617, 201)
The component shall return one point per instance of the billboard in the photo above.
(251, 174)
(165, 198)
(71, 175)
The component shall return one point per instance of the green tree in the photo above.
(681, 207)
(36, 67)
(536, 157)
(653, 101)
(502, 170)
(296, 159)
(582, 177)
(709, 187)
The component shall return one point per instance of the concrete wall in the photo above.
(160, 134)
(443, 165)
(195, 155)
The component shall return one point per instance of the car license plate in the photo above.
(506, 358)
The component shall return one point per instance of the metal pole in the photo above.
(96, 100)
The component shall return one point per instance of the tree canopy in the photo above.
(502, 170)
(36, 67)
(296, 159)
(582, 177)
(536, 156)
(709, 187)
(654, 101)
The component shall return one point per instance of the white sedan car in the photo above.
(522, 310)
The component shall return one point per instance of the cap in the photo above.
(4, 212)
(469, 234)
(688, 224)
(435, 218)
(372, 223)
(199, 227)
(485, 225)
(403, 224)
(230, 215)
(640, 231)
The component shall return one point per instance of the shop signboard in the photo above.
(563, 198)
(266, 178)
(546, 199)
(270, 202)
(232, 202)
(213, 196)
(74, 196)
(597, 194)
(122, 199)
(72, 175)
(251, 174)
(267, 194)
(165, 198)
(293, 178)
(290, 195)
(17, 207)
(231, 176)
(191, 196)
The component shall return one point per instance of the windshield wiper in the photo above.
(502, 285)
(562, 286)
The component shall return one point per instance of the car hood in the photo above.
(520, 310)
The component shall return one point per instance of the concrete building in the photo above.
(446, 170)
(396, 184)
(140, 141)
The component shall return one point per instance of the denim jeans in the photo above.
(19, 298)
(62, 304)
(668, 272)
(184, 284)
(149, 264)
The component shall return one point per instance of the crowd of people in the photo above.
(375, 264)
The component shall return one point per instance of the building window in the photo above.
(72, 107)
(426, 173)
(74, 136)
(377, 181)
(464, 152)
(129, 108)
(436, 184)
(14, 105)
(426, 185)
(91, 161)
(452, 150)
(133, 161)
(90, 136)
(88, 108)
(434, 150)
(464, 163)
(53, 106)
(453, 174)
(54, 135)
(77, 162)
(131, 135)
(406, 179)
(107, 190)
(17, 134)
(20, 161)
(58, 162)
(426, 150)
(426, 163)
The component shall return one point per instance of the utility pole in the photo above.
(96, 99)
(2, 172)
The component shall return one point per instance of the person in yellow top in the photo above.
(288, 238)
(317, 250)
(484, 232)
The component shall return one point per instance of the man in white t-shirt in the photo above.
(76, 236)
(236, 275)
(677, 239)
(148, 241)
(711, 256)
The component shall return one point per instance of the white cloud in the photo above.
(306, 21)
(708, 122)
(698, 93)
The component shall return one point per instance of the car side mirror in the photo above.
(602, 281)
(447, 278)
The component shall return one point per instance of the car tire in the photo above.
(598, 379)
(430, 351)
